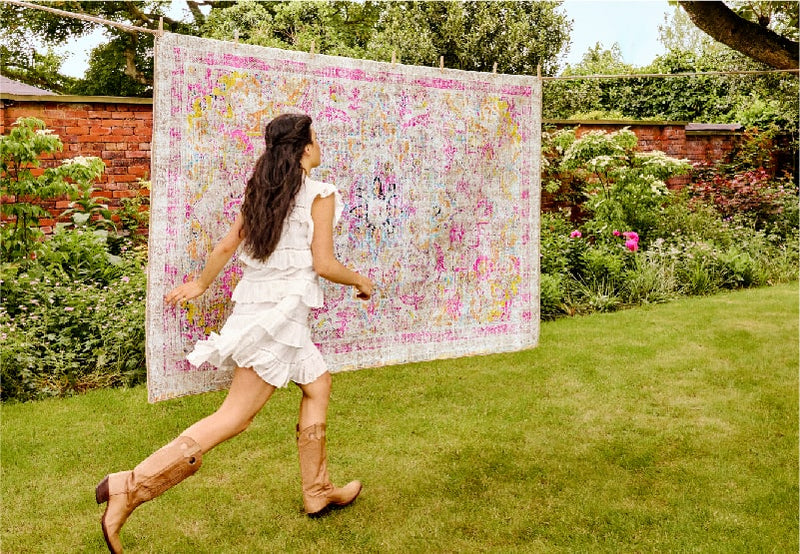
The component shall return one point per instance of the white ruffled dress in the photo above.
(268, 329)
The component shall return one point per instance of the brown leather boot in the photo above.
(318, 491)
(126, 490)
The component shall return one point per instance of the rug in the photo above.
(439, 173)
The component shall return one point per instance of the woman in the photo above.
(286, 224)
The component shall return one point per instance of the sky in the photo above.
(633, 24)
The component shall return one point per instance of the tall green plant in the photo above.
(624, 189)
(22, 186)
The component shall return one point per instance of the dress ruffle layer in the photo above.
(272, 338)
(274, 289)
(268, 329)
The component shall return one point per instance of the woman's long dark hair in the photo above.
(275, 181)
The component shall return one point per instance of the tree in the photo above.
(107, 76)
(33, 68)
(474, 36)
(470, 35)
(761, 101)
(129, 59)
(336, 28)
(587, 98)
(754, 39)
(20, 156)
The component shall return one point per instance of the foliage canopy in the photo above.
(470, 35)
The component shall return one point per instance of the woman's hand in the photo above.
(364, 286)
(184, 292)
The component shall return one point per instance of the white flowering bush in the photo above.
(20, 153)
(623, 188)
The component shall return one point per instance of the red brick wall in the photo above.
(117, 130)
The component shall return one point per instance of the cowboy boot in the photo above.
(318, 491)
(126, 490)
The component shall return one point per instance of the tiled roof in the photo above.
(9, 86)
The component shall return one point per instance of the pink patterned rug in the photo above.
(439, 171)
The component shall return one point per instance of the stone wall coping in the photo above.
(691, 129)
(75, 99)
(637, 122)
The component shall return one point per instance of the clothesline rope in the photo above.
(133, 28)
(659, 75)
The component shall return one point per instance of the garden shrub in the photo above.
(623, 188)
(598, 295)
(555, 242)
(605, 263)
(651, 280)
(72, 311)
(634, 241)
(747, 185)
(134, 216)
(551, 294)
(63, 334)
(699, 270)
(20, 153)
(78, 254)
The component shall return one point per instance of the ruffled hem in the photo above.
(272, 338)
(277, 365)
(252, 325)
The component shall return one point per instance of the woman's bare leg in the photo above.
(124, 491)
(314, 404)
(247, 395)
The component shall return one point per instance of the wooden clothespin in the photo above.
(539, 71)
(394, 57)
(236, 36)
(441, 64)
(160, 26)
(494, 68)
(313, 45)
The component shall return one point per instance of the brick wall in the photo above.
(119, 131)
(675, 139)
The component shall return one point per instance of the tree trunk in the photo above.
(751, 39)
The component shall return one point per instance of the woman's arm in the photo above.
(216, 261)
(325, 263)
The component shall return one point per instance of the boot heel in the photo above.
(101, 492)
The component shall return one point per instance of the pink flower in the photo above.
(616, 233)
(632, 245)
(631, 235)
(125, 279)
(575, 234)
(69, 309)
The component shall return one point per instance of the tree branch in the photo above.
(194, 7)
(130, 63)
(751, 39)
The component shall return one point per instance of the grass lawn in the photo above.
(669, 428)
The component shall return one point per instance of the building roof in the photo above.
(9, 86)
